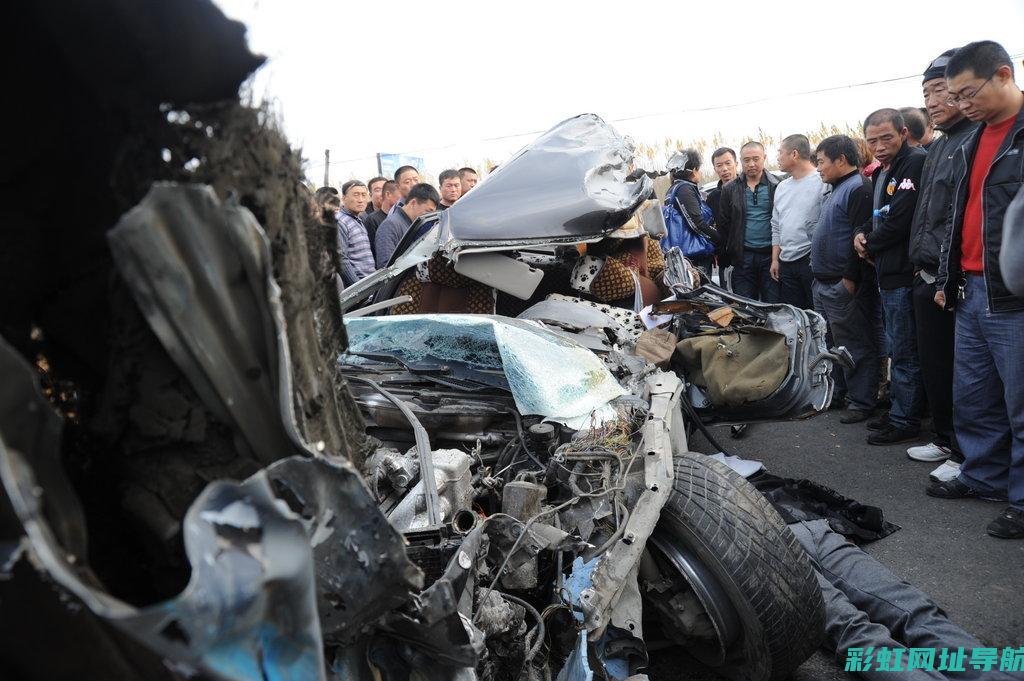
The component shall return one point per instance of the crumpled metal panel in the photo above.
(259, 570)
(200, 273)
(359, 557)
(569, 182)
(264, 553)
(249, 608)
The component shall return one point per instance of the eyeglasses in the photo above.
(956, 99)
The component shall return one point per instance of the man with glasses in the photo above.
(988, 374)
(927, 232)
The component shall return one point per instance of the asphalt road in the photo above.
(942, 549)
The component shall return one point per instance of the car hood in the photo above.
(571, 182)
(569, 185)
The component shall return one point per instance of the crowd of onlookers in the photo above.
(894, 238)
(372, 217)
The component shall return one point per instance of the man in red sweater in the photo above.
(988, 373)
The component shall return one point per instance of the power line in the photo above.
(716, 107)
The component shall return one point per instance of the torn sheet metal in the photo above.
(439, 629)
(359, 558)
(263, 553)
(546, 374)
(569, 182)
(249, 610)
(200, 272)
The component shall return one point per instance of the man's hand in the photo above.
(850, 285)
(774, 269)
(860, 244)
(940, 299)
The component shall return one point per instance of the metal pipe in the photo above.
(422, 448)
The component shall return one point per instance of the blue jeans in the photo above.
(848, 317)
(906, 389)
(988, 394)
(752, 278)
(795, 283)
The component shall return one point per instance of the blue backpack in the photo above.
(680, 229)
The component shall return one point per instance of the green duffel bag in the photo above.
(736, 367)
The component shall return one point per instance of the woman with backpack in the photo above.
(687, 215)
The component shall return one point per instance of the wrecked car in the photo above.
(448, 496)
(562, 407)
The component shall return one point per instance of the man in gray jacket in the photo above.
(935, 326)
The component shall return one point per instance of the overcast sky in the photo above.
(444, 80)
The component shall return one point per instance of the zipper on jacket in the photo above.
(984, 221)
(956, 196)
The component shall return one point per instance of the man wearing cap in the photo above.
(935, 327)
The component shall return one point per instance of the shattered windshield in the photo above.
(547, 375)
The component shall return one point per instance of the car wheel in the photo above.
(727, 579)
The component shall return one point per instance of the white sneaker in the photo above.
(928, 452)
(946, 472)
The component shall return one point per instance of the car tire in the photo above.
(745, 574)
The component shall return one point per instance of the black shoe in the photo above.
(893, 435)
(1010, 525)
(855, 416)
(880, 423)
(954, 489)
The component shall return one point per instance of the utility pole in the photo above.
(327, 167)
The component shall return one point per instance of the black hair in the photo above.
(800, 144)
(689, 167)
(722, 151)
(885, 116)
(751, 143)
(466, 170)
(389, 186)
(423, 192)
(325, 194)
(449, 174)
(351, 183)
(839, 145)
(403, 169)
(983, 57)
(370, 183)
(917, 123)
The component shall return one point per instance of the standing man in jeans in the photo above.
(794, 215)
(746, 229)
(844, 286)
(935, 327)
(884, 241)
(988, 372)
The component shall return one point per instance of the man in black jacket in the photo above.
(746, 229)
(723, 160)
(988, 374)
(935, 327)
(885, 242)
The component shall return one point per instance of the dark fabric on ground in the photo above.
(804, 500)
